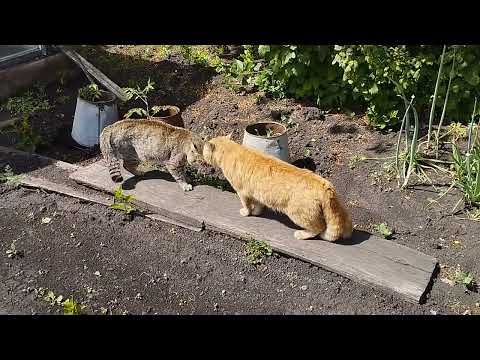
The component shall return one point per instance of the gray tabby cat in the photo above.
(153, 141)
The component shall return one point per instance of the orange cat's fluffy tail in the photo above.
(338, 221)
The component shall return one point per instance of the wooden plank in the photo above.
(58, 163)
(365, 258)
(88, 68)
(40, 183)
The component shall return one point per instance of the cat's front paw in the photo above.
(186, 187)
(244, 212)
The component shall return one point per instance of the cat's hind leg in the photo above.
(257, 208)
(312, 227)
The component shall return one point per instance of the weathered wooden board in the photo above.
(89, 69)
(365, 258)
(41, 183)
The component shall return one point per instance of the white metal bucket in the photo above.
(276, 145)
(92, 117)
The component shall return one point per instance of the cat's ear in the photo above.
(229, 136)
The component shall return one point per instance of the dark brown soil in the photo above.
(199, 266)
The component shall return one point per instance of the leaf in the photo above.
(118, 206)
(384, 230)
(468, 279)
(46, 220)
(373, 90)
(263, 49)
(70, 307)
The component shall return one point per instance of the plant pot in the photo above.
(92, 117)
(170, 115)
(268, 137)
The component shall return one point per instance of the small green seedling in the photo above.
(9, 178)
(123, 202)
(384, 230)
(90, 92)
(289, 123)
(355, 160)
(71, 307)
(141, 94)
(464, 278)
(256, 250)
(13, 252)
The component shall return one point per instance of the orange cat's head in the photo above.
(210, 147)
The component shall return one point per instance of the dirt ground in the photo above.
(179, 271)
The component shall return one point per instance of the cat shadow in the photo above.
(357, 236)
(130, 183)
(305, 163)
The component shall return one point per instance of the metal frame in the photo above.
(24, 56)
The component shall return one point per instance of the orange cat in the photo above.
(260, 180)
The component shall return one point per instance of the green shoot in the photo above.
(123, 202)
(256, 250)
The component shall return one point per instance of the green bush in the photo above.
(364, 76)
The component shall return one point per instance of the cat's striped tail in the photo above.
(109, 156)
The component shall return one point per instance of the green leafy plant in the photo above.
(29, 103)
(141, 94)
(464, 278)
(9, 178)
(90, 92)
(29, 141)
(384, 230)
(71, 307)
(467, 166)
(256, 250)
(123, 202)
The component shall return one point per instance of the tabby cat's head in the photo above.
(194, 151)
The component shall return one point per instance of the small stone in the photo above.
(215, 307)
(304, 287)
(138, 296)
(467, 312)
(433, 312)
(97, 273)
(165, 276)
(224, 292)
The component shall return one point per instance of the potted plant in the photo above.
(95, 110)
(168, 113)
(269, 137)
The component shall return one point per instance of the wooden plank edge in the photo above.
(157, 213)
